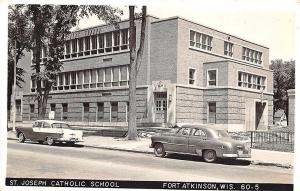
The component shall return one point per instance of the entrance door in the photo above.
(259, 120)
(160, 99)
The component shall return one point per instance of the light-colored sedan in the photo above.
(199, 140)
(50, 131)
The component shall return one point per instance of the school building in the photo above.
(190, 73)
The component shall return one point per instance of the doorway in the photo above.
(160, 99)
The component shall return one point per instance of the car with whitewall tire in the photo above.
(49, 131)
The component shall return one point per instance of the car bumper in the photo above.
(70, 140)
(247, 155)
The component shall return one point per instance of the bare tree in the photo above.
(135, 61)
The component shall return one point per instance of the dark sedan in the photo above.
(199, 140)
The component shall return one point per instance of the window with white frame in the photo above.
(116, 40)
(33, 85)
(212, 77)
(192, 76)
(74, 46)
(108, 44)
(101, 44)
(124, 37)
(200, 40)
(228, 48)
(252, 55)
(247, 80)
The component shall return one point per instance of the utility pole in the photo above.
(14, 87)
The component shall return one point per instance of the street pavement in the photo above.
(258, 157)
(81, 162)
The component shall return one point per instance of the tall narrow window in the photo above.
(68, 48)
(124, 76)
(228, 48)
(108, 44)
(100, 77)
(192, 76)
(94, 42)
(114, 111)
(87, 43)
(74, 46)
(73, 80)
(93, 78)
(33, 85)
(211, 77)
(115, 71)
(107, 77)
(100, 111)
(192, 38)
(80, 44)
(31, 111)
(212, 112)
(67, 78)
(52, 107)
(64, 111)
(101, 43)
(124, 36)
(116, 40)
(86, 111)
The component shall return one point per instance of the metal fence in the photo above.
(272, 140)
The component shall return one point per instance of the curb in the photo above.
(253, 162)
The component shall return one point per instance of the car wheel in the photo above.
(210, 156)
(50, 141)
(21, 138)
(159, 150)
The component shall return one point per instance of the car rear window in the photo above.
(222, 133)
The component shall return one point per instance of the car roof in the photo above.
(50, 121)
(202, 126)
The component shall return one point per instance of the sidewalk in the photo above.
(258, 157)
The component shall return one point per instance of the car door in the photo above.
(197, 141)
(36, 128)
(179, 142)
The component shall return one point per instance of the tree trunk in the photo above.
(135, 61)
(132, 129)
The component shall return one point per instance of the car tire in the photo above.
(159, 150)
(209, 156)
(50, 141)
(21, 137)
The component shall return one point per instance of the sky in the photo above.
(266, 22)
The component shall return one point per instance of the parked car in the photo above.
(50, 131)
(199, 140)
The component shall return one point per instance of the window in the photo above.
(184, 131)
(80, 44)
(252, 55)
(228, 48)
(52, 107)
(124, 76)
(64, 111)
(200, 41)
(60, 79)
(100, 77)
(116, 80)
(87, 43)
(68, 48)
(101, 43)
(74, 46)
(93, 78)
(31, 108)
(86, 76)
(94, 42)
(114, 111)
(212, 112)
(86, 111)
(192, 76)
(252, 81)
(108, 39)
(33, 85)
(107, 77)
(100, 111)
(116, 40)
(124, 36)
(67, 79)
(211, 77)
(200, 133)
(46, 125)
(73, 78)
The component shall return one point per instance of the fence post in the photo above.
(251, 135)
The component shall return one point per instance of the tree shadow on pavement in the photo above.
(232, 162)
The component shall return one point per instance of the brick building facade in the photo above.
(190, 73)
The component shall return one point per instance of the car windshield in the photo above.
(174, 130)
(222, 133)
(60, 125)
